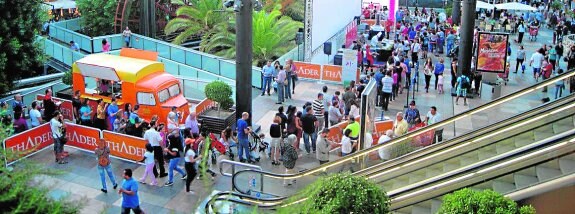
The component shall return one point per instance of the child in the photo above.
(440, 83)
(149, 162)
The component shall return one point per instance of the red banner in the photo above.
(124, 146)
(351, 33)
(307, 70)
(492, 52)
(332, 73)
(82, 136)
(380, 128)
(65, 106)
(30, 141)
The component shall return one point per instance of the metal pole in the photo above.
(244, 59)
(466, 32)
(456, 13)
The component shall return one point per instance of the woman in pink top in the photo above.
(395, 88)
(105, 45)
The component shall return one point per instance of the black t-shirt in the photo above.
(283, 123)
(175, 143)
(76, 103)
(308, 123)
(275, 131)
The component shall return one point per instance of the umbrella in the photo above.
(514, 6)
(484, 5)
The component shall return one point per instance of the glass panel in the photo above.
(58, 53)
(136, 41)
(256, 78)
(98, 45)
(118, 42)
(187, 71)
(53, 31)
(193, 59)
(70, 37)
(194, 90)
(163, 50)
(205, 76)
(146, 99)
(164, 95)
(58, 87)
(86, 45)
(67, 56)
(77, 56)
(171, 67)
(178, 55)
(149, 45)
(228, 69)
(62, 36)
(49, 48)
(210, 64)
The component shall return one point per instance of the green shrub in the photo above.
(339, 193)
(220, 92)
(97, 16)
(481, 202)
(67, 78)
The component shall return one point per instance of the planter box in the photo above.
(213, 123)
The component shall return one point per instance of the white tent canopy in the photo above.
(514, 6)
(484, 5)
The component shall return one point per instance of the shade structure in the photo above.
(514, 6)
(484, 5)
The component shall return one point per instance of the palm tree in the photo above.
(273, 35)
(198, 19)
(292, 8)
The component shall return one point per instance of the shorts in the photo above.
(126, 210)
(58, 147)
(462, 92)
(275, 142)
(536, 71)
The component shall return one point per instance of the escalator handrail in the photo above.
(220, 196)
(507, 156)
(475, 134)
(459, 139)
(461, 178)
(400, 139)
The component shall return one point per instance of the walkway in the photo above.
(80, 180)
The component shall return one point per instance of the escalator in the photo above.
(435, 163)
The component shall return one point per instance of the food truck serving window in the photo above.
(169, 92)
(146, 99)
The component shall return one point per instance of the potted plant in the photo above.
(339, 193)
(487, 201)
(216, 120)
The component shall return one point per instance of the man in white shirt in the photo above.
(35, 115)
(415, 48)
(384, 153)
(56, 126)
(154, 138)
(387, 86)
(536, 61)
(433, 117)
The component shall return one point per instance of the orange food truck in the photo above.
(133, 77)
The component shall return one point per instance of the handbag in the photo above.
(285, 81)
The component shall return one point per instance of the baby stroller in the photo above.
(257, 145)
(533, 31)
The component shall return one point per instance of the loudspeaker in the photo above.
(337, 59)
(299, 38)
(327, 48)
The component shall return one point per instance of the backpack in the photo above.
(465, 82)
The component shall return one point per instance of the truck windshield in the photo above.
(166, 94)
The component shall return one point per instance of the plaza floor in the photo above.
(80, 181)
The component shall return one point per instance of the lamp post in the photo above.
(244, 41)
(456, 12)
(466, 32)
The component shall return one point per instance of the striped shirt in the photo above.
(317, 107)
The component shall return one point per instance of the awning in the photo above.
(97, 71)
(484, 5)
(514, 6)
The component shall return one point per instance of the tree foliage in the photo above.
(273, 35)
(97, 16)
(198, 19)
(292, 8)
(481, 202)
(19, 193)
(20, 56)
(340, 193)
(221, 93)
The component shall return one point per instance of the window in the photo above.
(146, 99)
(166, 94)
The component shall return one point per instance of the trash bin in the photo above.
(490, 91)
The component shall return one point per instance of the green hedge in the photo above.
(481, 202)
